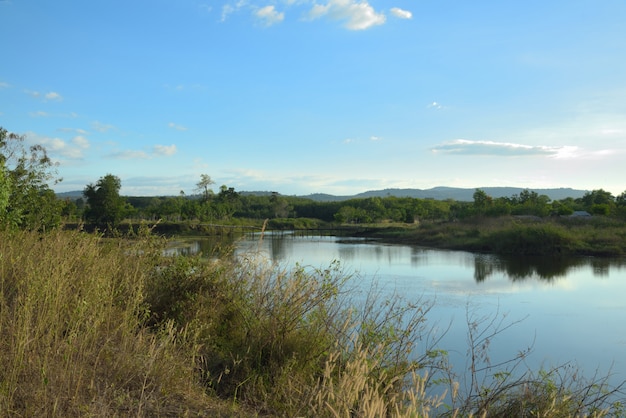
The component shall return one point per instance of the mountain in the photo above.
(75, 194)
(454, 193)
(436, 193)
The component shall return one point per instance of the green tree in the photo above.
(203, 186)
(26, 200)
(482, 201)
(105, 206)
(598, 202)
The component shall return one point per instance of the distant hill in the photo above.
(436, 193)
(74, 194)
(454, 193)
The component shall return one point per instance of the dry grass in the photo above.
(71, 339)
(110, 327)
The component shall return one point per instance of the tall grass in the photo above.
(71, 336)
(110, 327)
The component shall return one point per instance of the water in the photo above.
(568, 310)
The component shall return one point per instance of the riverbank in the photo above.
(603, 237)
(525, 235)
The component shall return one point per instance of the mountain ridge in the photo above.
(435, 193)
(454, 193)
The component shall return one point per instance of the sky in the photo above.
(319, 96)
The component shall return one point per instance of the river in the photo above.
(567, 310)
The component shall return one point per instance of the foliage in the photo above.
(26, 200)
(105, 205)
(203, 186)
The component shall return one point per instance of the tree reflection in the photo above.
(520, 268)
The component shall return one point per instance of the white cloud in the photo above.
(227, 9)
(81, 141)
(101, 127)
(156, 151)
(358, 15)
(58, 147)
(4, 85)
(401, 14)
(435, 105)
(76, 130)
(165, 150)
(375, 138)
(177, 127)
(38, 114)
(467, 147)
(269, 16)
(130, 155)
(53, 96)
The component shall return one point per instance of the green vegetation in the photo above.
(105, 207)
(598, 236)
(93, 326)
(26, 200)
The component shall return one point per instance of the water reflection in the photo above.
(205, 246)
(286, 246)
(520, 268)
(573, 308)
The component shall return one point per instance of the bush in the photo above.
(533, 239)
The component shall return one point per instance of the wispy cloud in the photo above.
(375, 138)
(400, 13)
(269, 16)
(53, 95)
(38, 114)
(164, 150)
(229, 8)
(4, 85)
(50, 96)
(156, 151)
(504, 149)
(101, 127)
(60, 148)
(177, 127)
(77, 130)
(435, 105)
(81, 142)
(357, 15)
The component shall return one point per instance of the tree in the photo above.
(105, 206)
(26, 200)
(598, 202)
(481, 200)
(203, 186)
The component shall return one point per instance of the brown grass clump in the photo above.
(71, 338)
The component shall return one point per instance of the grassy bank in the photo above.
(110, 327)
(515, 235)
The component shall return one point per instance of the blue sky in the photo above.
(332, 96)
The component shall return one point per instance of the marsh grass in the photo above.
(598, 236)
(71, 336)
(111, 327)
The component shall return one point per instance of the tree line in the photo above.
(27, 201)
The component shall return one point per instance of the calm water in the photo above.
(571, 309)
